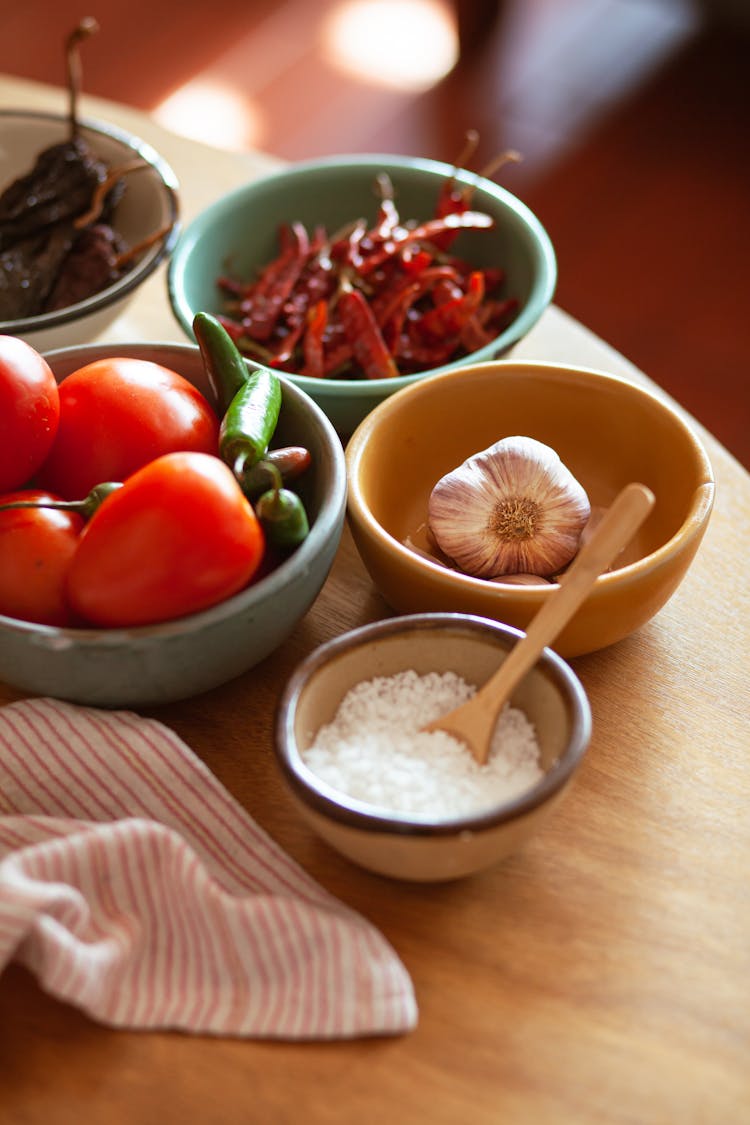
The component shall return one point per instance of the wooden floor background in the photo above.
(633, 117)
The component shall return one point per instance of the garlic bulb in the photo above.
(512, 509)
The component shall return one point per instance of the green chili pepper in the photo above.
(282, 514)
(249, 398)
(290, 460)
(249, 422)
(226, 369)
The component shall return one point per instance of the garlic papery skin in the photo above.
(512, 509)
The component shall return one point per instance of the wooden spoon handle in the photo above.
(619, 523)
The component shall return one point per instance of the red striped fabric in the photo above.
(135, 887)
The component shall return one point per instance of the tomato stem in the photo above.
(85, 507)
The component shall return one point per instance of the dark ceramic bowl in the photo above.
(148, 204)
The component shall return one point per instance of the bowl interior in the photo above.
(239, 232)
(607, 431)
(551, 696)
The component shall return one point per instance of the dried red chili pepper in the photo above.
(370, 301)
(455, 199)
(388, 219)
(448, 319)
(368, 346)
(285, 349)
(337, 359)
(425, 232)
(413, 261)
(473, 336)
(416, 357)
(317, 319)
(277, 282)
(496, 314)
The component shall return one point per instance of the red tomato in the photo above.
(36, 546)
(179, 536)
(29, 412)
(116, 415)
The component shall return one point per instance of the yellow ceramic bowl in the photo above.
(425, 847)
(608, 432)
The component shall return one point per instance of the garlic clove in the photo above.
(514, 508)
(431, 556)
(521, 580)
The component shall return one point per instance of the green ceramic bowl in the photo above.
(238, 233)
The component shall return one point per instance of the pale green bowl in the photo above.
(154, 664)
(238, 233)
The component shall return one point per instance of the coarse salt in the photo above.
(375, 750)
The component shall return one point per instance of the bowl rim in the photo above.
(337, 806)
(692, 526)
(145, 267)
(543, 252)
(326, 524)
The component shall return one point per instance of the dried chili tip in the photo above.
(455, 197)
(388, 218)
(451, 196)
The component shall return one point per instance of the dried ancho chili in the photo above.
(57, 244)
(375, 300)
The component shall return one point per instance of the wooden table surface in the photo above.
(602, 975)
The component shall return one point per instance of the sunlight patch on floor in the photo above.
(212, 112)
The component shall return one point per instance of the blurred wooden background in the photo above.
(633, 117)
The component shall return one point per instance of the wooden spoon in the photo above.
(473, 722)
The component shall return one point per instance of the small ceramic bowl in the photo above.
(161, 663)
(238, 234)
(607, 430)
(149, 203)
(424, 847)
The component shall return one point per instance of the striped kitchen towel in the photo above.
(136, 888)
